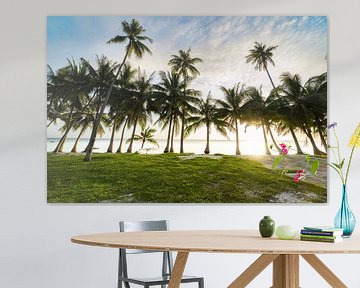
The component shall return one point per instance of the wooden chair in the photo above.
(167, 262)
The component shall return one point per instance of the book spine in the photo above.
(318, 239)
(319, 233)
(319, 236)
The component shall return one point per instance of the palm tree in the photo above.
(257, 112)
(261, 56)
(118, 110)
(56, 106)
(185, 65)
(101, 77)
(208, 114)
(167, 101)
(126, 109)
(59, 94)
(134, 36)
(139, 103)
(75, 85)
(175, 128)
(120, 103)
(124, 124)
(84, 121)
(146, 135)
(56, 111)
(294, 93)
(316, 101)
(231, 108)
(116, 119)
(284, 118)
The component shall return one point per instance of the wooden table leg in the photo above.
(286, 271)
(324, 271)
(293, 264)
(178, 270)
(253, 270)
(279, 269)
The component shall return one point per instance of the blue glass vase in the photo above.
(345, 219)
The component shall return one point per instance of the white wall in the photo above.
(35, 248)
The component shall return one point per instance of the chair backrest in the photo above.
(134, 226)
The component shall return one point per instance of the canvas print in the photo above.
(205, 109)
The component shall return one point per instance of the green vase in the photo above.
(267, 227)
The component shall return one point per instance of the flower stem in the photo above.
(348, 167)
(338, 146)
(340, 171)
(350, 159)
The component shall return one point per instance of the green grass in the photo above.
(166, 178)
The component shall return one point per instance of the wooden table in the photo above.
(284, 254)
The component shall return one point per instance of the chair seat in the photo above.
(158, 280)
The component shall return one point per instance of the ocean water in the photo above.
(247, 147)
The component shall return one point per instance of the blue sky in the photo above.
(222, 42)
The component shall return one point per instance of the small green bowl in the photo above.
(285, 232)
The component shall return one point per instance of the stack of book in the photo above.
(321, 234)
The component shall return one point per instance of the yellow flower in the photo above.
(355, 138)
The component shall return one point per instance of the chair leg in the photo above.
(201, 283)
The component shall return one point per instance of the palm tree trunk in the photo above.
(74, 149)
(237, 152)
(59, 147)
(272, 83)
(88, 145)
(183, 121)
(111, 144)
(80, 113)
(122, 136)
(99, 116)
(90, 100)
(172, 138)
(142, 145)
(298, 148)
(182, 131)
(52, 121)
(273, 139)
(267, 150)
(322, 138)
(207, 148)
(307, 131)
(129, 150)
(166, 150)
(323, 141)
